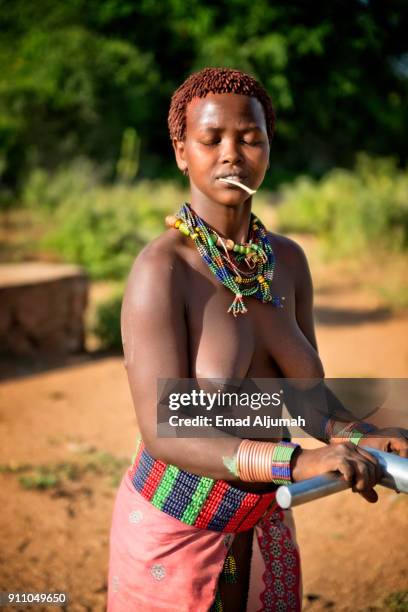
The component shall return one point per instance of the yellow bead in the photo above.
(177, 223)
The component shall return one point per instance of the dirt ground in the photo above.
(77, 422)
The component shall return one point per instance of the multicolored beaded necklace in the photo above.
(257, 254)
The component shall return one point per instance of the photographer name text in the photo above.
(266, 422)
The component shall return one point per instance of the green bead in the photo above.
(236, 248)
(247, 250)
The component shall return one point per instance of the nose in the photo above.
(230, 152)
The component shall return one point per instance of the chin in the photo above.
(230, 197)
(235, 200)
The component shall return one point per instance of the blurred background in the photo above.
(87, 176)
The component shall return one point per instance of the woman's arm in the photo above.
(338, 424)
(312, 399)
(155, 344)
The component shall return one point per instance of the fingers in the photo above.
(365, 473)
(373, 461)
(389, 439)
(400, 446)
(345, 464)
(346, 469)
(361, 469)
(372, 441)
(358, 467)
(369, 495)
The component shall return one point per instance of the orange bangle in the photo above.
(254, 461)
(264, 461)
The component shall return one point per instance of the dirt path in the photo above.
(81, 417)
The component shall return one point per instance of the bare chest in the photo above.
(265, 342)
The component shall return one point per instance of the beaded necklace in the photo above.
(256, 253)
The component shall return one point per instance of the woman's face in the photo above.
(226, 136)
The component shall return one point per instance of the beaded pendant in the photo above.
(257, 254)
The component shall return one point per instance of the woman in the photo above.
(201, 302)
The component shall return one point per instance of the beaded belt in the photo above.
(197, 500)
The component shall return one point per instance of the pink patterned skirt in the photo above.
(159, 563)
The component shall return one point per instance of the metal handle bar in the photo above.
(395, 476)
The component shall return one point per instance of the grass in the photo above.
(53, 475)
(396, 602)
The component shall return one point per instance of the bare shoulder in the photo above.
(161, 252)
(288, 251)
(160, 264)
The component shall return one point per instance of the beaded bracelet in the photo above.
(353, 436)
(265, 461)
(355, 431)
(351, 432)
(282, 454)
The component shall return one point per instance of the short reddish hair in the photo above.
(216, 81)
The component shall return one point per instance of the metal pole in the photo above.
(395, 476)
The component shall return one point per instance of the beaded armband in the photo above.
(265, 462)
(349, 432)
(281, 457)
(354, 437)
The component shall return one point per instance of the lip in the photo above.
(233, 175)
(236, 177)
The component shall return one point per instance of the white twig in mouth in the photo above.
(237, 184)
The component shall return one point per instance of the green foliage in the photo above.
(104, 228)
(44, 191)
(41, 478)
(66, 92)
(75, 75)
(128, 164)
(14, 468)
(351, 211)
(397, 602)
(107, 324)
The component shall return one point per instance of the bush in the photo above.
(397, 602)
(107, 322)
(351, 211)
(104, 228)
(44, 191)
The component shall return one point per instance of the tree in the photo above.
(75, 75)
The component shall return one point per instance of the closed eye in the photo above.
(252, 143)
(210, 143)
